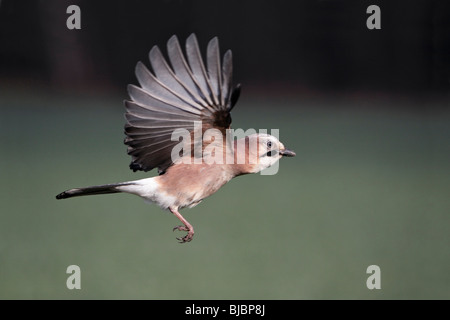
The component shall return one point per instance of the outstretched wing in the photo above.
(176, 96)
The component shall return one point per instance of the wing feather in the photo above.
(214, 70)
(174, 97)
(198, 69)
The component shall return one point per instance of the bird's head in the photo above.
(265, 150)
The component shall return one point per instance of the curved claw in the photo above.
(187, 226)
(186, 238)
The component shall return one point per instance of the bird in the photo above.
(195, 101)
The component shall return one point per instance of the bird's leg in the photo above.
(187, 226)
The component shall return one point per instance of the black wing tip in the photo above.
(135, 166)
(138, 167)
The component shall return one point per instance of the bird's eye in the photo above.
(269, 144)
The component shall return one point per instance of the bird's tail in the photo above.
(103, 189)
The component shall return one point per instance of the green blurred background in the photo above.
(365, 188)
(367, 113)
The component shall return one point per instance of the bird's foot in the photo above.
(186, 238)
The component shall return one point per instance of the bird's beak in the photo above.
(287, 153)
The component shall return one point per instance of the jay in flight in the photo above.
(186, 97)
